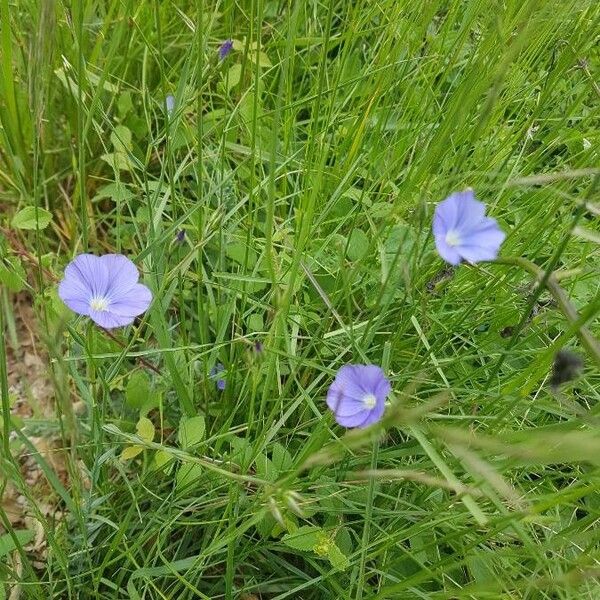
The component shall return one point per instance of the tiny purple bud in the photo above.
(225, 48)
(180, 236)
(258, 347)
(215, 374)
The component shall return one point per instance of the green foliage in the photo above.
(31, 217)
(304, 169)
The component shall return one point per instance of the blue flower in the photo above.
(463, 232)
(225, 48)
(170, 104)
(104, 288)
(357, 395)
(215, 373)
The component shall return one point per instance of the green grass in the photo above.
(304, 170)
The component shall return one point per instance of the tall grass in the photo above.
(303, 169)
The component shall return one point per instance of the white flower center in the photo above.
(453, 238)
(99, 304)
(369, 401)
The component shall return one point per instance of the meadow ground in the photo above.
(277, 197)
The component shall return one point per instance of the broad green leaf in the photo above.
(233, 76)
(116, 191)
(358, 244)
(187, 474)
(265, 468)
(137, 390)
(26, 218)
(337, 559)
(124, 104)
(162, 460)
(266, 525)
(131, 452)
(119, 161)
(145, 429)
(401, 239)
(255, 323)
(241, 451)
(281, 458)
(191, 431)
(12, 274)
(7, 544)
(121, 139)
(241, 254)
(304, 538)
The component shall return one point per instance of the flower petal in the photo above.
(345, 385)
(90, 273)
(349, 407)
(369, 377)
(374, 415)
(133, 303)
(447, 252)
(110, 320)
(123, 275)
(469, 210)
(354, 420)
(75, 295)
(483, 243)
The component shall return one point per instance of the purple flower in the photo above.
(225, 49)
(170, 103)
(215, 373)
(180, 235)
(104, 288)
(463, 232)
(357, 395)
(258, 347)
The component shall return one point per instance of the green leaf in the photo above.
(282, 459)
(145, 429)
(187, 474)
(119, 161)
(7, 544)
(121, 139)
(25, 218)
(304, 538)
(12, 274)
(358, 245)
(162, 459)
(233, 76)
(241, 451)
(116, 191)
(265, 468)
(255, 323)
(131, 452)
(137, 390)
(237, 252)
(124, 104)
(191, 431)
(400, 239)
(343, 540)
(337, 559)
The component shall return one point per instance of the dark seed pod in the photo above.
(567, 366)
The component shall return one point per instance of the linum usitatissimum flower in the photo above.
(170, 103)
(225, 48)
(463, 232)
(104, 288)
(357, 395)
(217, 374)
